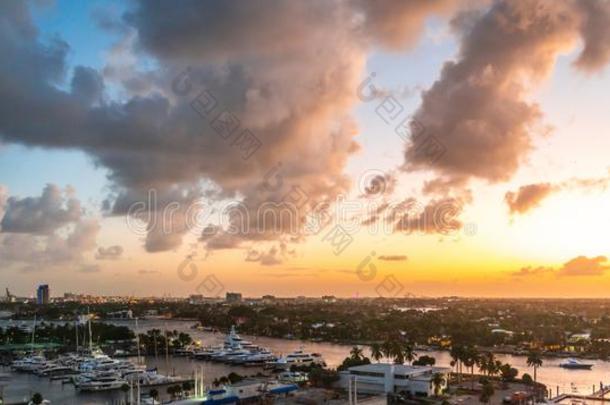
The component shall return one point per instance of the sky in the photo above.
(356, 149)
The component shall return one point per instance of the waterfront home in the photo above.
(393, 378)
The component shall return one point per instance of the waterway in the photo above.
(21, 386)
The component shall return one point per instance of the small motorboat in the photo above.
(574, 364)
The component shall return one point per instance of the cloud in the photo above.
(595, 31)
(145, 271)
(45, 214)
(3, 199)
(393, 258)
(532, 271)
(113, 252)
(46, 231)
(437, 216)
(530, 196)
(479, 110)
(273, 256)
(584, 266)
(89, 268)
(253, 59)
(578, 266)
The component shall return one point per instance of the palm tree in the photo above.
(487, 363)
(376, 352)
(470, 359)
(37, 399)
(495, 370)
(438, 380)
(387, 348)
(534, 360)
(409, 353)
(394, 351)
(356, 353)
(457, 355)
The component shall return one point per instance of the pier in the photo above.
(598, 396)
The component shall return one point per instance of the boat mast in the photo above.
(166, 347)
(90, 336)
(76, 331)
(33, 333)
(138, 341)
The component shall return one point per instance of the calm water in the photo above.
(22, 386)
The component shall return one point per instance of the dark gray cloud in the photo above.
(254, 59)
(53, 209)
(46, 231)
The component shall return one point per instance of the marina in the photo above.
(90, 376)
(240, 354)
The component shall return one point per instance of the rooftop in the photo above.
(399, 369)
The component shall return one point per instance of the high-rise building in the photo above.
(42, 294)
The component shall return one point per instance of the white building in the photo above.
(393, 378)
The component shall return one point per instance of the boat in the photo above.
(235, 350)
(294, 377)
(102, 384)
(54, 369)
(151, 378)
(88, 377)
(206, 352)
(29, 363)
(258, 359)
(574, 364)
(296, 358)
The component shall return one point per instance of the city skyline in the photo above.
(447, 148)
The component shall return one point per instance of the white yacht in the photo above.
(255, 358)
(150, 378)
(235, 350)
(102, 384)
(53, 369)
(29, 363)
(298, 358)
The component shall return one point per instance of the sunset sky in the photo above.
(129, 129)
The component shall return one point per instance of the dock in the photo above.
(598, 396)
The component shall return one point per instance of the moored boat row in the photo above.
(237, 351)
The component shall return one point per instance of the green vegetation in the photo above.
(37, 399)
(487, 391)
(65, 334)
(511, 326)
(155, 341)
(356, 358)
(322, 378)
